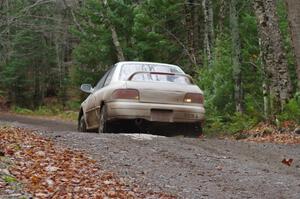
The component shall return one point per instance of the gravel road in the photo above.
(186, 167)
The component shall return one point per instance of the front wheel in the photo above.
(81, 124)
(104, 126)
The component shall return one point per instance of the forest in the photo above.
(244, 54)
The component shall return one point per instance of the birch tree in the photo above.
(209, 34)
(236, 59)
(114, 35)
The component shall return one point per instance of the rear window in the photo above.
(128, 69)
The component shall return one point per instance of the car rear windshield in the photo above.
(128, 69)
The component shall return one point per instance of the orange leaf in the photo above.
(9, 151)
(287, 162)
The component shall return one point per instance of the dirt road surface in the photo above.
(186, 167)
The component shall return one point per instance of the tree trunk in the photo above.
(114, 34)
(189, 24)
(117, 44)
(293, 7)
(222, 15)
(58, 49)
(265, 85)
(274, 57)
(236, 47)
(208, 30)
(8, 49)
(197, 30)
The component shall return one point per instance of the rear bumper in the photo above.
(155, 112)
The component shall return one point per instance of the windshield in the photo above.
(128, 69)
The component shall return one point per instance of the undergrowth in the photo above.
(220, 124)
(48, 111)
(291, 110)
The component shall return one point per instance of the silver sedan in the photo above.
(143, 92)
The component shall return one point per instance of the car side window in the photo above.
(100, 84)
(109, 77)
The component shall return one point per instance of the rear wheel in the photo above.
(82, 124)
(198, 129)
(194, 130)
(104, 126)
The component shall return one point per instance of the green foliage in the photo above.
(9, 179)
(230, 124)
(239, 122)
(155, 23)
(73, 104)
(20, 110)
(253, 106)
(291, 110)
(217, 81)
(68, 115)
(95, 52)
(29, 70)
(2, 93)
(151, 31)
(51, 111)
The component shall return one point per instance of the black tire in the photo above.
(194, 130)
(198, 130)
(81, 124)
(104, 126)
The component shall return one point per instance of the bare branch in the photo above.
(74, 17)
(22, 13)
(192, 60)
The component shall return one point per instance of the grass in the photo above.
(48, 111)
(9, 179)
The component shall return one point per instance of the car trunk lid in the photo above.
(162, 92)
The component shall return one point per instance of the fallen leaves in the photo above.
(277, 138)
(50, 171)
(265, 132)
(9, 185)
(287, 162)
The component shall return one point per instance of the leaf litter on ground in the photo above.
(51, 171)
(266, 132)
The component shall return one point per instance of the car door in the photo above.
(91, 110)
(94, 99)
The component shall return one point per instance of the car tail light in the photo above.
(126, 94)
(194, 98)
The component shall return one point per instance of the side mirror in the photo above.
(87, 88)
